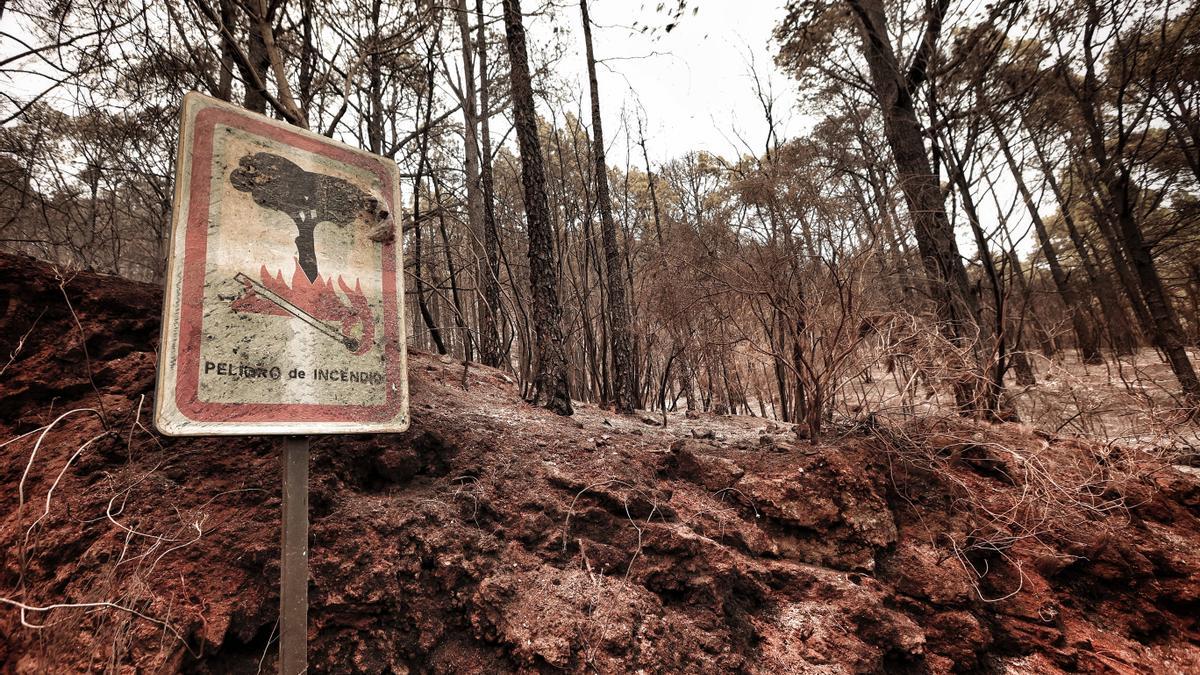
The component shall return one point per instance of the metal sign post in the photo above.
(293, 589)
(284, 305)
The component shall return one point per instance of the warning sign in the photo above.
(284, 310)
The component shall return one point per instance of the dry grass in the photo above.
(1131, 400)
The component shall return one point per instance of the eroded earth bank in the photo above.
(497, 537)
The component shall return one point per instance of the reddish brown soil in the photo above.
(496, 537)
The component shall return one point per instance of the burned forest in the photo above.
(531, 336)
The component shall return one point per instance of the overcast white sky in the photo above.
(693, 83)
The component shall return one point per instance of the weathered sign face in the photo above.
(284, 309)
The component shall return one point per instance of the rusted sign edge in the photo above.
(168, 418)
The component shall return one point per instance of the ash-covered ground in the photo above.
(497, 537)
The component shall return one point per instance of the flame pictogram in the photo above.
(317, 299)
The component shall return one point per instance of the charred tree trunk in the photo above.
(993, 338)
(1046, 342)
(1116, 321)
(650, 184)
(956, 305)
(993, 384)
(1119, 257)
(375, 87)
(1117, 195)
(1193, 289)
(1168, 333)
(422, 161)
(460, 312)
(490, 349)
(687, 377)
(471, 159)
(550, 384)
(624, 377)
(435, 333)
(254, 73)
(225, 82)
(1086, 339)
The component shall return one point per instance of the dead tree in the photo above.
(490, 349)
(957, 306)
(550, 385)
(624, 376)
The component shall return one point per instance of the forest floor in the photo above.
(497, 537)
(1132, 398)
(1127, 399)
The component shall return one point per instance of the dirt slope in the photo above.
(495, 537)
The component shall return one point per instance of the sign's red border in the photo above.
(192, 300)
